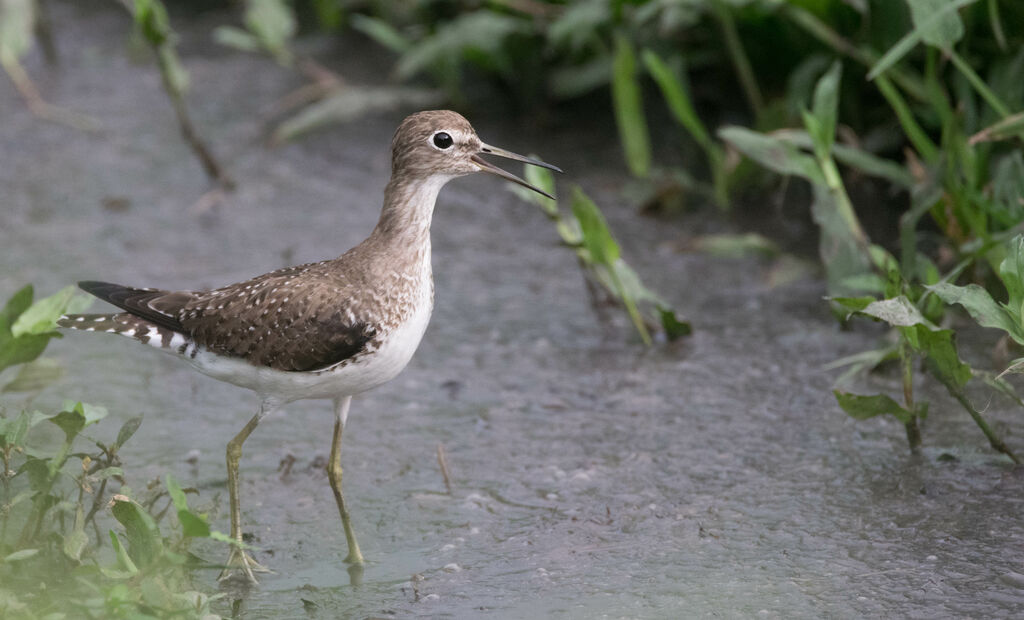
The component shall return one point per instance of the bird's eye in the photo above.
(442, 140)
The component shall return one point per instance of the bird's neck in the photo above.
(408, 209)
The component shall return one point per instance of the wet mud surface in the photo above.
(590, 477)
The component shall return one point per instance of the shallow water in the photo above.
(591, 478)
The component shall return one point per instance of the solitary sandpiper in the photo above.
(326, 330)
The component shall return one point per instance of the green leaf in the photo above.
(191, 524)
(898, 312)
(735, 245)
(938, 28)
(127, 430)
(71, 422)
(41, 317)
(24, 349)
(1011, 272)
(938, 24)
(629, 112)
(863, 407)
(597, 239)
(273, 23)
(15, 306)
(825, 110)
(17, 28)
(17, 556)
(941, 356)
(674, 328)
(777, 155)
(545, 180)
(35, 376)
(479, 34)
(980, 305)
(676, 97)
(75, 543)
(13, 430)
(236, 38)
(382, 32)
(144, 542)
(123, 559)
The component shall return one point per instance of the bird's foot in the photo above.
(241, 565)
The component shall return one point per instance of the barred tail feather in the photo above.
(129, 325)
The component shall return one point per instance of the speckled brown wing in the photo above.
(296, 319)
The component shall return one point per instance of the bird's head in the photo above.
(443, 143)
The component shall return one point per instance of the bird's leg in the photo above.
(239, 560)
(334, 475)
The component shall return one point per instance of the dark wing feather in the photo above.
(296, 319)
(160, 307)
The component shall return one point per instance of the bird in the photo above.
(326, 330)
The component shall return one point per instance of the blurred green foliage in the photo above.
(57, 484)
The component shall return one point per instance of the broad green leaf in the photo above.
(71, 422)
(629, 112)
(579, 25)
(15, 306)
(191, 524)
(943, 32)
(23, 349)
(35, 376)
(941, 356)
(676, 97)
(864, 407)
(924, 23)
(771, 152)
(597, 239)
(144, 542)
(980, 305)
(571, 81)
(41, 317)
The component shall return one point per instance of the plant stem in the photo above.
(913, 430)
(993, 440)
(739, 59)
(210, 164)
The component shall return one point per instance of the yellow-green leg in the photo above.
(239, 561)
(341, 406)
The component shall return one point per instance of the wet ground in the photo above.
(590, 477)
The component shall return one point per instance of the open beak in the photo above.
(487, 166)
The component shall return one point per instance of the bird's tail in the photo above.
(124, 324)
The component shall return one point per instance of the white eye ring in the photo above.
(442, 140)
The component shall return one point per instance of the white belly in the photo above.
(365, 372)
